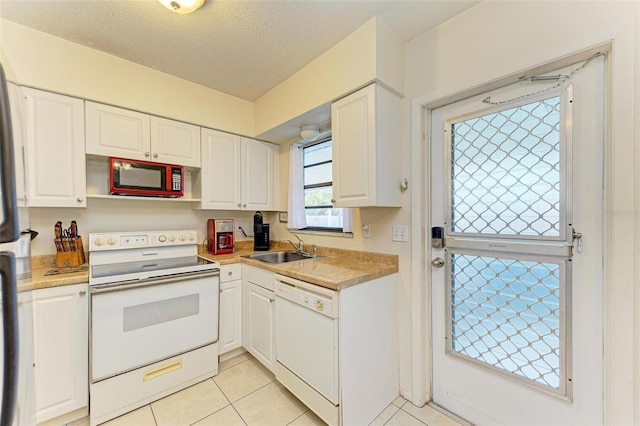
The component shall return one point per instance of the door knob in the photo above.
(437, 262)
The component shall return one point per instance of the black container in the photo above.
(260, 233)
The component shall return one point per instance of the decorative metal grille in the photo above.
(505, 171)
(506, 313)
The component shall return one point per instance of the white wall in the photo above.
(129, 215)
(50, 63)
(499, 39)
(373, 51)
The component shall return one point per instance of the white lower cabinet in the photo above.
(230, 336)
(61, 352)
(258, 319)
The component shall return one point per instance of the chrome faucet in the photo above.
(300, 247)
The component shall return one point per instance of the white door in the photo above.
(516, 295)
(220, 180)
(259, 316)
(61, 333)
(257, 175)
(54, 136)
(117, 132)
(175, 142)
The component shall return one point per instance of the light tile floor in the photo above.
(246, 393)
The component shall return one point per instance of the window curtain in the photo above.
(347, 220)
(296, 214)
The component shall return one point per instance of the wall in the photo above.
(129, 215)
(46, 62)
(496, 40)
(373, 51)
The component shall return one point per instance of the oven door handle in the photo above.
(128, 285)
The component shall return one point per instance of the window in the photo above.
(318, 188)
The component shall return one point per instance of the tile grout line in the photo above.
(217, 411)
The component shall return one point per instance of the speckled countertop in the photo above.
(336, 269)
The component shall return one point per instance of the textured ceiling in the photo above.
(243, 48)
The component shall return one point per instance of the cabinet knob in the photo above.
(79, 199)
(239, 205)
(82, 292)
(244, 205)
(155, 155)
(272, 300)
(333, 201)
(230, 273)
(146, 154)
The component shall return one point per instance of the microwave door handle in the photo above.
(9, 227)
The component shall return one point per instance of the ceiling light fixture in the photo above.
(309, 133)
(182, 6)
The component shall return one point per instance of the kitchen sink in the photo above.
(280, 256)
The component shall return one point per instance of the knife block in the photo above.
(71, 258)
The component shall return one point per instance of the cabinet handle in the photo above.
(155, 155)
(79, 199)
(272, 300)
(82, 292)
(146, 154)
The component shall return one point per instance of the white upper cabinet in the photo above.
(55, 156)
(220, 173)
(119, 132)
(366, 149)
(237, 173)
(175, 142)
(257, 174)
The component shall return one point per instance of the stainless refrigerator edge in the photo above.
(16, 335)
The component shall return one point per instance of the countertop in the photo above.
(335, 269)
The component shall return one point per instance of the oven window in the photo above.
(148, 314)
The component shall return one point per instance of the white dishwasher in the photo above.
(307, 344)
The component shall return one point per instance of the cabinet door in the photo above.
(174, 142)
(117, 132)
(257, 175)
(230, 315)
(353, 132)
(220, 173)
(54, 138)
(61, 348)
(259, 324)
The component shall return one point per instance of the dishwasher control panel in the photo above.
(320, 300)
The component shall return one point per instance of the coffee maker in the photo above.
(220, 236)
(260, 233)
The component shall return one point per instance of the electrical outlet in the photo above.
(400, 233)
(366, 230)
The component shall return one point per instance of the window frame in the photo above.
(336, 230)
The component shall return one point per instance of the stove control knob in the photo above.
(111, 241)
(162, 238)
(191, 237)
(98, 241)
(183, 237)
(172, 238)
